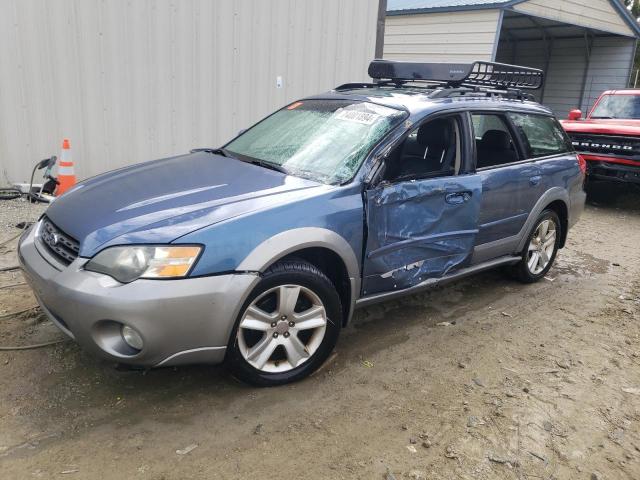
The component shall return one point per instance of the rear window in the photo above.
(543, 135)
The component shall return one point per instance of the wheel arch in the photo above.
(556, 199)
(562, 210)
(318, 246)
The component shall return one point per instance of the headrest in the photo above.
(496, 140)
(436, 133)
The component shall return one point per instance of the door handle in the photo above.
(457, 198)
(535, 180)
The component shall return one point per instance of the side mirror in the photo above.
(575, 115)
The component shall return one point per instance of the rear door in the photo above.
(547, 144)
(422, 217)
(511, 184)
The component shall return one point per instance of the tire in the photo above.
(287, 327)
(529, 270)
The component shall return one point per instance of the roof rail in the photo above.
(487, 74)
(478, 91)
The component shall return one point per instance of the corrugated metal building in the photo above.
(129, 81)
(584, 46)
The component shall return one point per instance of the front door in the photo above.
(422, 219)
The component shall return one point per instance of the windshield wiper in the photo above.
(601, 118)
(260, 163)
(217, 151)
(269, 165)
(243, 158)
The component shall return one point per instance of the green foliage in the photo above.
(634, 6)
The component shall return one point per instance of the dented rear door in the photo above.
(419, 229)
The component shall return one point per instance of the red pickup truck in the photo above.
(609, 138)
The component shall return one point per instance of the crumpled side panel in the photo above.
(416, 232)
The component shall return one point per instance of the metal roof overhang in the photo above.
(522, 27)
(505, 5)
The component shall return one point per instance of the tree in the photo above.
(634, 7)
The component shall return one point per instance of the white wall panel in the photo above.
(132, 80)
(441, 37)
(598, 14)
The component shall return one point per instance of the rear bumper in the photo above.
(180, 321)
(611, 170)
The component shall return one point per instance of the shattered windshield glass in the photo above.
(325, 140)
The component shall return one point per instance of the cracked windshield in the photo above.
(324, 140)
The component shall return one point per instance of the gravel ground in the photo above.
(19, 210)
(482, 379)
(13, 213)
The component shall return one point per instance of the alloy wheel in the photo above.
(542, 246)
(282, 328)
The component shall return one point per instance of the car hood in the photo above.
(162, 200)
(603, 126)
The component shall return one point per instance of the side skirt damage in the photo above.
(432, 282)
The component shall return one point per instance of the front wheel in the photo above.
(287, 327)
(542, 247)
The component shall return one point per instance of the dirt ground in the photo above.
(525, 381)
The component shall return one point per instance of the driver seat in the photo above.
(432, 152)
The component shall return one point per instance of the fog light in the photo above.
(132, 338)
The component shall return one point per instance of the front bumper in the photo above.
(614, 171)
(181, 321)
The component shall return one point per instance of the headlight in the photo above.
(127, 264)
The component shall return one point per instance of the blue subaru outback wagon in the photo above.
(257, 253)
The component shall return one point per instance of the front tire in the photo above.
(541, 248)
(287, 327)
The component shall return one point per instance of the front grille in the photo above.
(607, 145)
(58, 243)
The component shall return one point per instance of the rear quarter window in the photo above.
(542, 135)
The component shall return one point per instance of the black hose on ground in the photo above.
(4, 242)
(36, 345)
(10, 193)
(19, 312)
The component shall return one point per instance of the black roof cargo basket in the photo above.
(488, 74)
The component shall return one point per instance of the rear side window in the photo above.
(542, 135)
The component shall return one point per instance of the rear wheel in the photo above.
(287, 327)
(541, 250)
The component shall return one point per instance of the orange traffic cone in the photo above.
(66, 175)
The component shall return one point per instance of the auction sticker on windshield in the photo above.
(365, 118)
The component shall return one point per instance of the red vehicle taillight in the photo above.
(582, 163)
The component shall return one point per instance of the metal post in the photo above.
(547, 39)
(382, 13)
(588, 43)
(632, 64)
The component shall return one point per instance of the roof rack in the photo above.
(498, 76)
